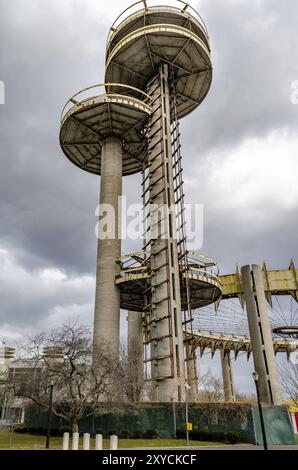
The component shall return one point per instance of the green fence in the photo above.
(163, 418)
(277, 423)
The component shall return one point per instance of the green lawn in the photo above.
(17, 441)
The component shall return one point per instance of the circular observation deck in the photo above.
(147, 35)
(134, 279)
(100, 111)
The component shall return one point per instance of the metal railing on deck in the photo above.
(145, 5)
(104, 91)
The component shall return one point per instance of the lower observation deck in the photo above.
(134, 279)
(100, 111)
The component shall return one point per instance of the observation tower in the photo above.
(158, 70)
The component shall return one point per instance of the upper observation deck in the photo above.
(148, 34)
(98, 112)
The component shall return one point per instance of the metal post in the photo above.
(256, 378)
(187, 388)
(49, 417)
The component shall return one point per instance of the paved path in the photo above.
(224, 447)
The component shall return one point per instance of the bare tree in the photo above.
(210, 387)
(84, 381)
(289, 381)
(131, 360)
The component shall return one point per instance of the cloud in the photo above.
(40, 298)
(239, 149)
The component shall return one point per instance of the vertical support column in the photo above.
(167, 352)
(135, 354)
(261, 337)
(227, 375)
(192, 377)
(107, 297)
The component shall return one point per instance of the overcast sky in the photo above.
(239, 150)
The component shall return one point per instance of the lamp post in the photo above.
(50, 412)
(51, 353)
(256, 378)
(187, 388)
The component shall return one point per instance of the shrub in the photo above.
(38, 431)
(233, 437)
(137, 435)
(150, 434)
(64, 429)
(211, 436)
(21, 428)
(103, 433)
(218, 436)
(204, 436)
(124, 434)
(180, 434)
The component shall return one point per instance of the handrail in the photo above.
(147, 4)
(108, 92)
(201, 266)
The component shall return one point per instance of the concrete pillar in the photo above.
(75, 441)
(113, 443)
(98, 442)
(107, 297)
(260, 333)
(167, 349)
(135, 354)
(65, 444)
(227, 375)
(23, 415)
(192, 377)
(86, 441)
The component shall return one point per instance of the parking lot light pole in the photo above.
(187, 388)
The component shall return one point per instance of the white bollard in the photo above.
(75, 441)
(98, 442)
(65, 444)
(86, 441)
(113, 442)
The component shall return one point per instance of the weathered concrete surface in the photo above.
(107, 297)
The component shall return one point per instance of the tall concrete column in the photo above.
(107, 297)
(192, 376)
(135, 334)
(167, 348)
(227, 375)
(260, 333)
(135, 354)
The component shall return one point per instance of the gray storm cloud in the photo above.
(51, 49)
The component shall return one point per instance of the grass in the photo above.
(17, 441)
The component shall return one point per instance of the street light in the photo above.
(187, 388)
(52, 353)
(50, 412)
(256, 379)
